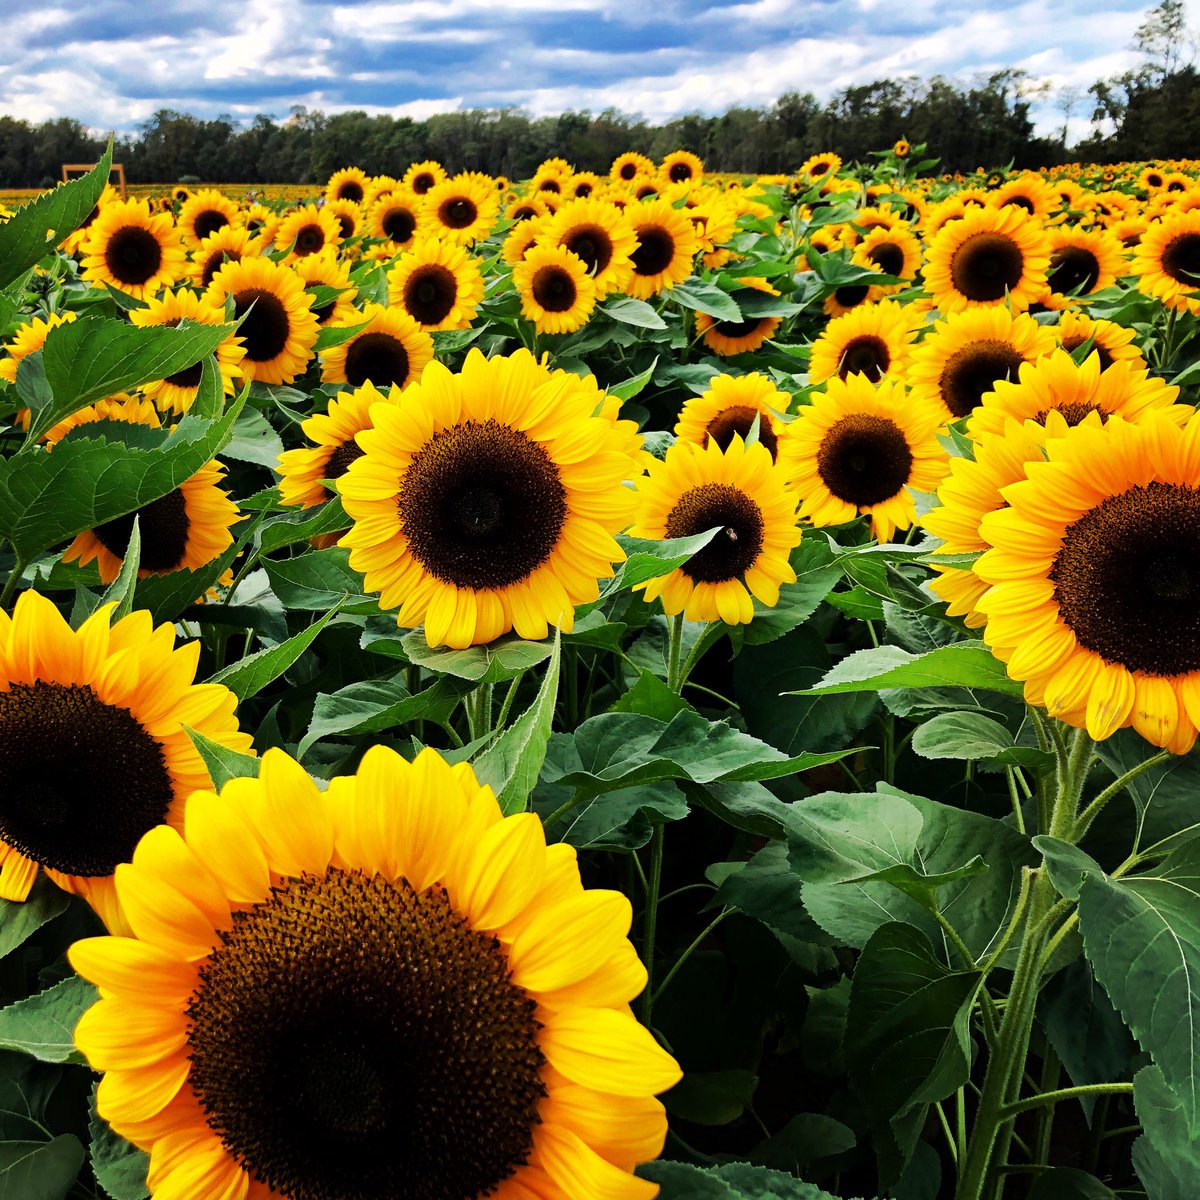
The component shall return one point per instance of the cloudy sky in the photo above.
(112, 63)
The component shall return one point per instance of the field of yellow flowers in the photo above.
(594, 686)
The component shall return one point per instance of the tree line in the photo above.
(1151, 112)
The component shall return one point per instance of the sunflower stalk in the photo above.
(981, 1174)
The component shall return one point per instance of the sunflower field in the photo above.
(596, 687)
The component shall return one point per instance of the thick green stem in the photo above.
(1060, 1094)
(674, 646)
(650, 926)
(10, 585)
(1115, 788)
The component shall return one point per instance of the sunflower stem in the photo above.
(650, 927)
(507, 703)
(674, 646)
(10, 584)
(1094, 809)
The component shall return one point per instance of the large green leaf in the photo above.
(91, 358)
(317, 581)
(961, 664)
(1067, 1183)
(19, 919)
(1167, 1156)
(493, 663)
(38, 227)
(26, 1086)
(1142, 935)
(977, 904)
(511, 764)
(43, 1025)
(731, 1181)
(46, 498)
(40, 1170)
(816, 575)
(120, 1168)
(907, 1033)
(974, 737)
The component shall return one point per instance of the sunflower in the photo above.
(901, 149)
(461, 209)
(666, 248)
(391, 349)
(729, 409)
(303, 472)
(203, 213)
(177, 393)
(973, 488)
(93, 751)
(1080, 392)
(873, 340)
(965, 354)
(183, 530)
(306, 231)
(260, 222)
(895, 252)
(487, 500)
(583, 184)
(1112, 342)
(279, 329)
(75, 240)
(1095, 597)
(681, 166)
(601, 235)
(423, 177)
(522, 238)
(350, 183)
(526, 208)
(388, 988)
(988, 256)
(1167, 261)
(1151, 179)
(1082, 261)
(396, 216)
(437, 283)
(628, 166)
(325, 269)
(738, 490)
(29, 338)
(349, 217)
(819, 167)
(132, 249)
(557, 293)
(728, 338)
(231, 243)
(865, 449)
(1028, 192)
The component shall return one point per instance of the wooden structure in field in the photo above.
(69, 170)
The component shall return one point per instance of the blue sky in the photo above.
(112, 64)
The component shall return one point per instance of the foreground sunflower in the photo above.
(966, 354)
(203, 213)
(601, 235)
(739, 491)
(461, 209)
(988, 256)
(132, 249)
(1112, 342)
(667, 245)
(439, 284)
(395, 216)
(487, 500)
(308, 230)
(391, 348)
(279, 330)
(730, 407)
(1095, 596)
(864, 449)
(93, 752)
(183, 530)
(383, 990)
(1167, 261)
(727, 338)
(1082, 261)
(1078, 391)
(231, 243)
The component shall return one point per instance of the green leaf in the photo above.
(248, 676)
(318, 580)
(26, 1087)
(120, 1169)
(707, 298)
(633, 312)
(92, 358)
(711, 1097)
(43, 1025)
(978, 905)
(647, 558)
(1142, 935)
(493, 663)
(373, 706)
(731, 1181)
(816, 575)
(26, 237)
(920, 886)
(974, 737)
(767, 889)
(222, 763)
(511, 764)
(47, 498)
(1167, 1156)
(961, 664)
(40, 1170)
(628, 388)
(805, 1139)
(254, 440)
(337, 335)
(1067, 1183)
(19, 919)
(1067, 865)
(650, 697)
(121, 590)
(908, 1039)
(288, 528)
